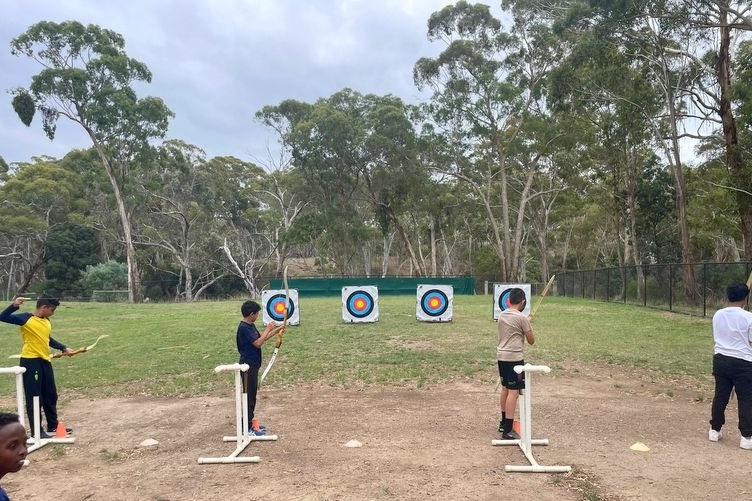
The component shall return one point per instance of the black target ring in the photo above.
(360, 304)
(275, 307)
(434, 303)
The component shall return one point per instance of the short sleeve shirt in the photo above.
(512, 325)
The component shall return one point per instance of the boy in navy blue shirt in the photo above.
(249, 342)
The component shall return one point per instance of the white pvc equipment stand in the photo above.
(36, 442)
(526, 442)
(242, 438)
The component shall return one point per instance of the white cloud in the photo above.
(215, 63)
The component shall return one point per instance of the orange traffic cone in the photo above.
(255, 424)
(516, 426)
(60, 431)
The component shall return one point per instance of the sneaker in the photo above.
(714, 436)
(510, 435)
(44, 434)
(52, 432)
(256, 433)
(746, 443)
(501, 426)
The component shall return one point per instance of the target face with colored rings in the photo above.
(276, 306)
(360, 304)
(504, 302)
(501, 300)
(434, 303)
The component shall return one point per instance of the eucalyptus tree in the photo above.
(624, 56)
(38, 199)
(88, 78)
(239, 230)
(177, 219)
(357, 154)
(283, 194)
(489, 100)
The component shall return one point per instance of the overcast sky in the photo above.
(216, 62)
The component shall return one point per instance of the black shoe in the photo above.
(510, 435)
(501, 426)
(51, 433)
(42, 434)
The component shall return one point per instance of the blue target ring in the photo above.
(504, 303)
(434, 303)
(275, 308)
(360, 304)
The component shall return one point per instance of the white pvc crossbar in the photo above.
(241, 438)
(526, 442)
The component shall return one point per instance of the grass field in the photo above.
(170, 349)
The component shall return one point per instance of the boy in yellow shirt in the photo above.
(39, 378)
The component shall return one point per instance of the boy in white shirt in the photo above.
(732, 364)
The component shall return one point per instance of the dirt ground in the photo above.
(429, 443)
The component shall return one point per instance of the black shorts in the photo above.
(510, 379)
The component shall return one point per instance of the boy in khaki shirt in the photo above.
(514, 329)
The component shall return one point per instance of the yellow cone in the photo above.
(640, 447)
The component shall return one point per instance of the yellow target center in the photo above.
(360, 304)
(434, 302)
(280, 308)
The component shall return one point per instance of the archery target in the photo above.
(501, 298)
(360, 304)
(434, 303)
(273, 306)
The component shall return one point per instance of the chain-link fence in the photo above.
(694, 289)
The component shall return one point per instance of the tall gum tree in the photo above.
(489, 102)
(87, 78)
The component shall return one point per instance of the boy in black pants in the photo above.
(39, 379)
(514, 329)
(249, 342)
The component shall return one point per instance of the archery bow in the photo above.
(80, 350)
(543, 294)
(74, 352)
(280, 330)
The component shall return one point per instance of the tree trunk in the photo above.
(433, 248)
(740, 178)
(406, 240)
(134, 277)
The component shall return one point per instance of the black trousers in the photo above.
(250, 387)
(39, 381)
(732, 373)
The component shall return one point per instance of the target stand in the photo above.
(501, 298)
(360, 304)
(241, 437)
(434, 303)
(275, 303)
(36, 441)
(526, 442)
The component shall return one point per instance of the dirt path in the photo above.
(432, 443)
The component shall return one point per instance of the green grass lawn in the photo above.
(171, 349)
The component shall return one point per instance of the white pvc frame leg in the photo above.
(526, 441)
(241, 437)
(37, 442)
(18, 371)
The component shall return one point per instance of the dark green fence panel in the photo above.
(662, 286)
(317, 287)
